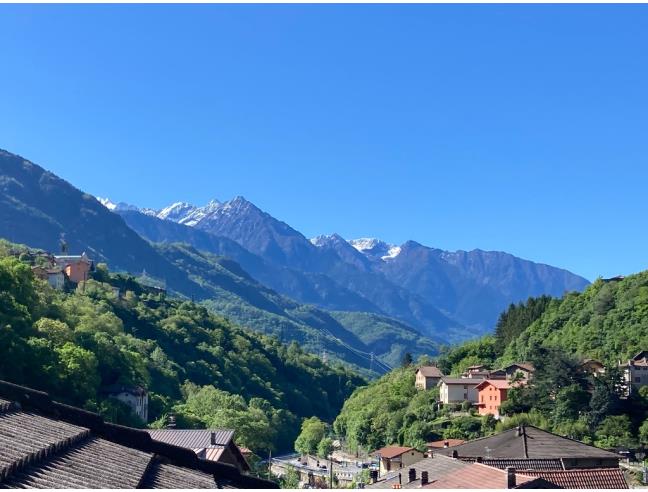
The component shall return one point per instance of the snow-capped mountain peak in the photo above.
(113, 207)
(107, 203)
(326, 239)
(176, 211)
(375, 248)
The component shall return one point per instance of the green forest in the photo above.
(607, 322)
(202, 368)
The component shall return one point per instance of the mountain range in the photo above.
(364, 301)
(438, 292)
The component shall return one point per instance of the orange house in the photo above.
(491, 393)
(77, 268)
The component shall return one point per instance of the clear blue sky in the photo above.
(515, 128)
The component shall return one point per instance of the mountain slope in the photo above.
(37, 207)
(282, 246)
(236, 295)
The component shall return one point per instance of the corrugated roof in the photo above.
(193, 438)
(597, 478)
(430, 371)
(45, 444)
(164, 476)
(533, 443)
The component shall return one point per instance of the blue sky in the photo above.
(516, 128)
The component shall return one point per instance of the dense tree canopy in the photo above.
(195, 364)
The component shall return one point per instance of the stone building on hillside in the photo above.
(427, 377)
(635, 371)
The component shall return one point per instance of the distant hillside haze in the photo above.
(438, 292)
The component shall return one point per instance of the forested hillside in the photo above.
(195, 364)
(608, 322)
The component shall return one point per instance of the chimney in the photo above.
(518, 431)
(213, 439)
(480, 459)
(510, 477)
(424, 478)
(455, 454)
(446, 444)
(411, 475)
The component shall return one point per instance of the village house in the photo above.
(635, 371)
(135, 397)
(457, 390)
(592, 367)
(427, 377)
(492, 393)
(520, 370)
(53, 276)
(76, 267)
(393, 458)
(208, 444)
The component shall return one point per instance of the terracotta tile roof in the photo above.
(430, 371)
(392, 451)
(532, 443)
(597, 478)
(497, 383)
(435, 467)
(442, 444)
(475, 476)
(45, 444)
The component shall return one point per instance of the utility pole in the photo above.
(331, 465)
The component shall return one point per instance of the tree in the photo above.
(325, 447)
(614, 431)
(570, 402)
(407, 359)
(313, 431)
(643, 433)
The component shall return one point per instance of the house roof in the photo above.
(597, 478)
(478, 366)
(475, 476)
(527, 366)
(392, 451)
(497, 383)
(46, 444)
(531, 443)
(436, 467)
(430, 371)
(193, 438)
(468, 381)
(442, 443)
(522, 465)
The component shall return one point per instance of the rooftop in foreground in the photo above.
(46, 444)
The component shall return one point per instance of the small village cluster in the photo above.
(57, 269)
(487, 389)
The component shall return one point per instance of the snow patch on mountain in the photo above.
(115, 207)
(375, 248)
(176, 211)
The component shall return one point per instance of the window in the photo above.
(465, 386)
(637, 380)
